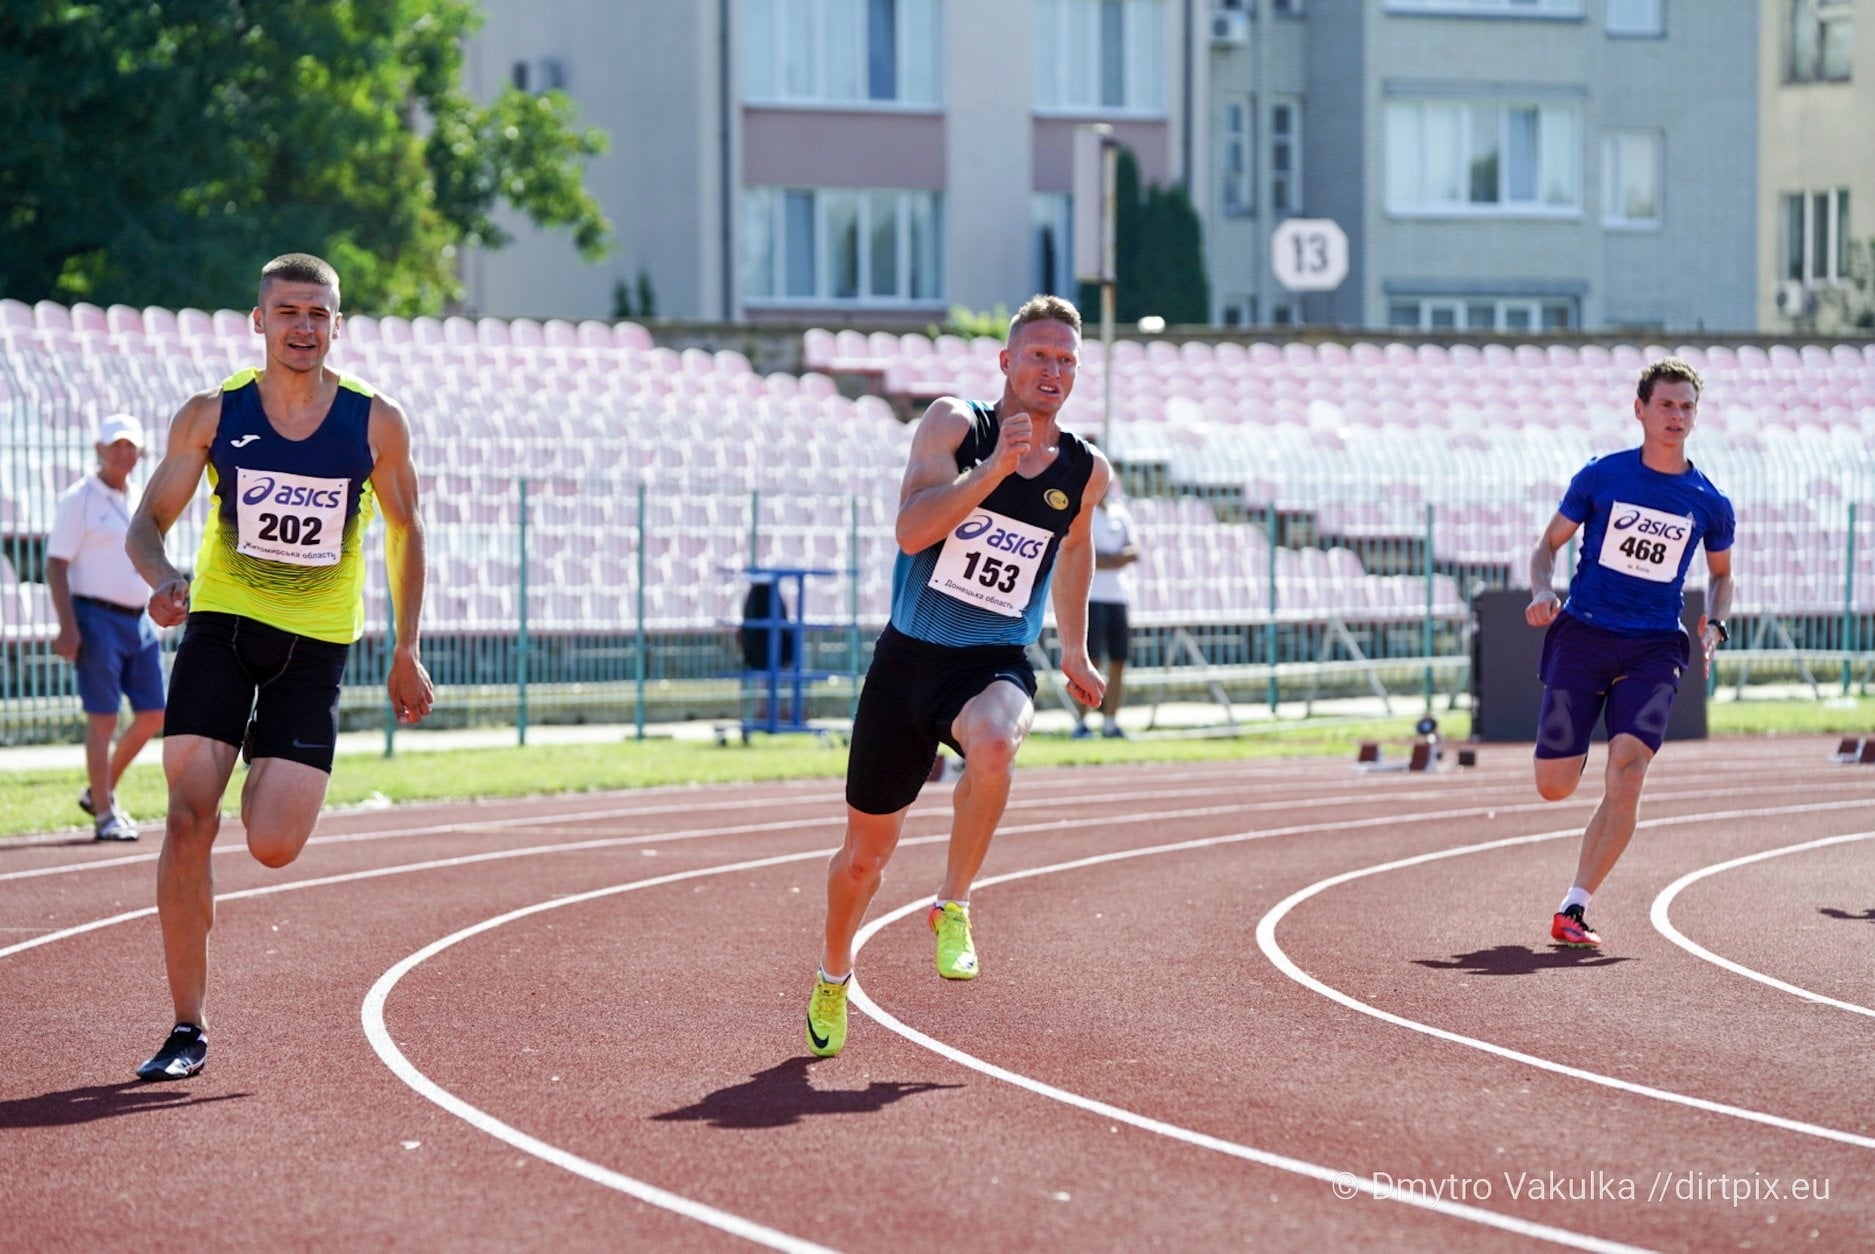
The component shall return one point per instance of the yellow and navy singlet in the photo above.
(286, 523)
(987, 581)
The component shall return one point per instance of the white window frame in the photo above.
(1500, 314)
(1069, 64)
(1823, 31)
(1236, 163)
(1490, 8)
(765, 253)
(1820, 236)
(1285, 149)
(1416, 129)
(1053, 212)
(1639, 19)
(817, 53)
(1622, 151)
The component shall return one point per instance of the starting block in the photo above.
(1425, 752)
(1855, 750)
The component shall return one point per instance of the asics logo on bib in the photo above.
(1648, 526)
(292, 494)
(999, 538)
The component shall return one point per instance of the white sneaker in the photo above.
(116, 826)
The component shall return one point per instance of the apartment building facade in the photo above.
(1497, 165)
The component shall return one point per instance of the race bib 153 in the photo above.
(991, 561)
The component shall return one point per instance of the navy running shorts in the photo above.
(914, 692)
(1587, 670)
(119, 656)
(229, 665)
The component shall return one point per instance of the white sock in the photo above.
(941, 902)
(1575, 897)
(832, 979)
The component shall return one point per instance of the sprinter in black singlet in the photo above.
(994, 511)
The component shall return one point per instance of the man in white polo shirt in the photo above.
(103, 630)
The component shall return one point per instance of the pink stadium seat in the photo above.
(595, 334)
(52, 316)
(124, 320)
(231, 324)
(395, 329)
(526, 333)
(631, 335)
(194, 324)
(16, 314)
(160, 323)
(560, 333)
(426, 330)
(459, 330)
(89, 319)
(492, 333)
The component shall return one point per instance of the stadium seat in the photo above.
(49, 315)
(195, 324)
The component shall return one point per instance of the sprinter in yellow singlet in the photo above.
(298, 459)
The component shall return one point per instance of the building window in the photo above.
(1819, 41)
(1100, 56)
(1816, 236)
(1482, 157)
(841, 246)
(1051, 214)
(1286, 156)
(1489, 8)
(1636, 17)
(1236, 171)
(1238, 311)
(1286, 8)
(1513, 314)
(1631, 178)
(840, 52)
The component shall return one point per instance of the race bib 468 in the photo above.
(289, 518)
(1645, 543)
(991, 561)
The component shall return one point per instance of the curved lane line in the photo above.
(1266, 940)
(372, 1016)
(1344, 1182)
(1665, 900)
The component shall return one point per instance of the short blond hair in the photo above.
(1045, 308)
(1668, 370)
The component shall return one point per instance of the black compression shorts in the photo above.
(228, 665)
(914, 691)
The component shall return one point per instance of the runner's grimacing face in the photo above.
(1040, 363)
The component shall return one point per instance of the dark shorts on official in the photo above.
(229, 664)
(119, 656)
(914, 691)
(1108, 633)
(1586, 669)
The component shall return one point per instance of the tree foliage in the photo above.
(159, 152)
(1158, 254)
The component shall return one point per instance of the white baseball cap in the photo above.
(120, 427)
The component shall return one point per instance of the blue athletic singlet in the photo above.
(284, 540)
(1640, 528)
(987, 582)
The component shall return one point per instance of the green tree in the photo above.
(159, 152)
(1158, 253)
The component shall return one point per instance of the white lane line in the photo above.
(1344, 1182)
(1266, 940)
(829, 799)
(1664, 926)
(372, 1016)
(612, 842)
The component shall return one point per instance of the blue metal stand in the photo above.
(783, 684)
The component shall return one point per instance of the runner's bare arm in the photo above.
(934, 498)
(1074, 572)
(1544, 603)
(171, 487)
(394, 480)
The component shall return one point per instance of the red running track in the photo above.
(1276, 1004)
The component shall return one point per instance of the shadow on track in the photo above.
(1867, 916)
(1518, 960)
(781, 1095)
(98, 1101)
